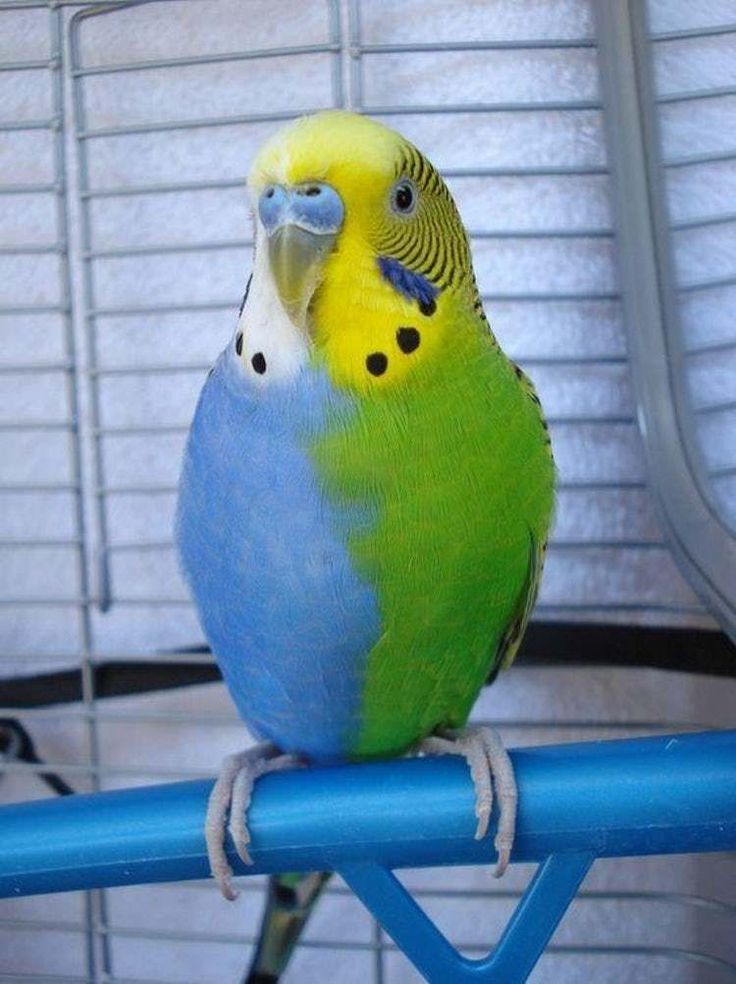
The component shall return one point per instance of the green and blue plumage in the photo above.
(368, 484)
(356, 561)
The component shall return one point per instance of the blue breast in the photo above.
(265, 555)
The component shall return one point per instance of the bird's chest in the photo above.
(265, 552)
(253, 509)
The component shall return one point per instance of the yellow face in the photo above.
(369, 332)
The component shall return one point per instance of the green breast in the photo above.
(456, 467)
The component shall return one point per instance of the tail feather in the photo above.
(291, 898)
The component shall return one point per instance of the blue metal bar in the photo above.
(660, 795)
(535, 919)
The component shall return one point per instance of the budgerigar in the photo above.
(368, 482)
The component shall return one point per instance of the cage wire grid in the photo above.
(93, 525)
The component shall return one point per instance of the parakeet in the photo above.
(368, 482)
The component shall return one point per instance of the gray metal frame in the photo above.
(700, 538)
(97, 949)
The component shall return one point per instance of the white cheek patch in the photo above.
(267, 344)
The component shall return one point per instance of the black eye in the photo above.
(403, 197)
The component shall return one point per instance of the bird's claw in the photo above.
(232, 792)
(487, 760)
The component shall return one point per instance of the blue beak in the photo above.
(313, 206)
(301, 224)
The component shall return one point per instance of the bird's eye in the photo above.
(403, 198)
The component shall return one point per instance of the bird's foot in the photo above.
(232, 791)
(490, 766)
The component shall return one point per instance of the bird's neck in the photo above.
(371, 337)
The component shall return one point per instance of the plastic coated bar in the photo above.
(37, 4)
(716, 92)
(524, 939)
(10, 488)
(530, 44)
(705, 157)
(589, 233)
(10, 544)
(115, 191)
(28, 189)
(521, 170)
(621, 607)
(434, 109)
(526, 171)
(720, 407)
(164, 368)
(36, 367)
(22, 309)
(35, 65)
(712, 284)
(17, 125)
(709, 347)
(717, 30)
(133, 310)
(213, 59)
(668, 794)
(31, 249)
(162, 249)
(165, 126)
(553, 296)
(701, 221)
(37, 425)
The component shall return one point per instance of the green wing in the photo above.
(510, 641)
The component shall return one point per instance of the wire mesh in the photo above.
(580, 428)
(131, 565)
(122, 280)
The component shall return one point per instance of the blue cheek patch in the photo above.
(406, 282)
(264, 552)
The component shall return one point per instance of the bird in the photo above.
(366, 491)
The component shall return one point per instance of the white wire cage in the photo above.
(126, 132)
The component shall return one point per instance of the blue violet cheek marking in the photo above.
(410, 284)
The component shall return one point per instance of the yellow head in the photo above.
(366, 246)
